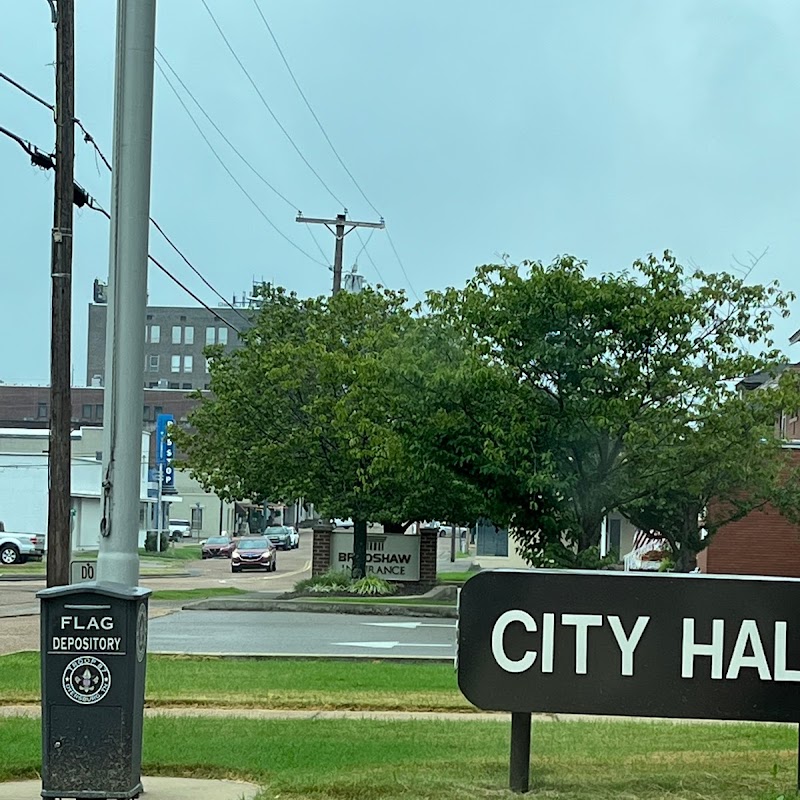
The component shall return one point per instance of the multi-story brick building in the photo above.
(175, 339)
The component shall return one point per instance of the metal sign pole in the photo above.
(520, 766)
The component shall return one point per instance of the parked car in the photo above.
(179, 529)
(254, 552)
(282, 536)
(218, 547)
(17, 548)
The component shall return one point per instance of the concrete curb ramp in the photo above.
(155, 788)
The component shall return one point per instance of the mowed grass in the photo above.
(370, 600)
(197, 594)
(270, 683)
(440, 760)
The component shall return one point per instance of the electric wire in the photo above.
(95, 206)
(231, 175)
(331, 145)
(227, 141)
(309, 107)
(90, 140)
(267, 106)
(369, 257)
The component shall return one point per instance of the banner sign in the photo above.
(655, 645)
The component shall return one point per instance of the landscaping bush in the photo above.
(370, 585)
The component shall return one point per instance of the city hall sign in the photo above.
(692, 646)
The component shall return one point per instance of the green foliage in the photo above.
(370, 585)
(572, 387)
(333, 580)
(302, 411)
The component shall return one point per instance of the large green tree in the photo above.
(301, 410)
(719, 468)
(597, 376)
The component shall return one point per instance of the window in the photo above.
(173, 385)
(188, 363)
(152, 363)
(186, 386)
(176, 334)
(158, 410)
(223, 336)
(197, 519)
(146, 414)
(152, 385)
(175, 364)
(614, 531)
(41, 410)
(188, 335)
(208, 365)
(211, 334)
(98, 411)
(155, 334)
(86, 412)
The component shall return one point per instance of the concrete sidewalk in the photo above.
(155, 788)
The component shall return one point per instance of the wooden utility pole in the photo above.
(337, 228)
(59, 460)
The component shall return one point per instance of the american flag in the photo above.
(644, 541)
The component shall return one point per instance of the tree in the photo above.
(595, 376)
(301, 411)
(722, 468)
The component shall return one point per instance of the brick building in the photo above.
(175, 338)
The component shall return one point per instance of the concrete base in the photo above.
(155, 788)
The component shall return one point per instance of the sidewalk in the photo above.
(155, 788)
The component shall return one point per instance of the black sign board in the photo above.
(658, 645)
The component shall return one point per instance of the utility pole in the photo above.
(59, 458)
(118, 559)
(337, 228)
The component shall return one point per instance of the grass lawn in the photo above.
(270, 683)
(438, 760)
(197, 594)
(189, 552)
(454, 577)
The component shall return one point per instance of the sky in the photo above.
(532, 128)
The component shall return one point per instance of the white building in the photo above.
(24, 483)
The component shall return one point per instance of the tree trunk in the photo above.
(685, 559)
(359, 549)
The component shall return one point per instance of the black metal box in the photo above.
(94, 655)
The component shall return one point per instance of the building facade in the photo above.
(175, 340)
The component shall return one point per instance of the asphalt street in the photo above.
(298, 633)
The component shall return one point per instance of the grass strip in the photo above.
(371, 600)
(441, 760)
(197, 594)
(272, 683)
(454, 577)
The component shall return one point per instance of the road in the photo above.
(298, 633)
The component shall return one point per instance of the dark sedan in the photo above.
(218, 547)
(254, 552)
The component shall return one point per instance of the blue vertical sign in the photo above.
(165, 449)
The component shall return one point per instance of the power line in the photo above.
(87, 137)
(224, 137)
(313, 113)
(369, 256)
(330, 143)
(95, 206)
(231, 175)
(46, 162)
(267, 106)
(316, 241)
(400, 262)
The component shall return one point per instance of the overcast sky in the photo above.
(603, 129)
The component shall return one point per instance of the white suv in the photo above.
(180, 529)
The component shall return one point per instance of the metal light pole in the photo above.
(118, 558)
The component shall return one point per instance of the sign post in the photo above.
(654, 645)
(165, 452)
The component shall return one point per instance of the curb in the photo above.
(379, 609)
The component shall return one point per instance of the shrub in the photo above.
(371, 585)
(330, 581)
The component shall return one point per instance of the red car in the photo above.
(254, 552)
(218, 547)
